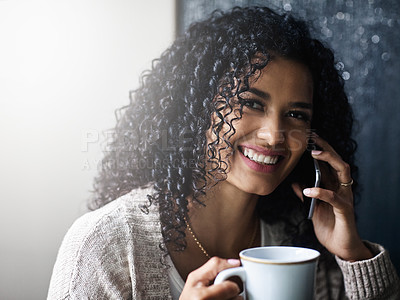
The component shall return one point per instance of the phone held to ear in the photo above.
(317, 182)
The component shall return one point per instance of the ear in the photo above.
(298, 190)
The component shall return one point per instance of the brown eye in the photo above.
(299, 115)
(253, 104)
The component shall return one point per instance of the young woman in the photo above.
(212, 156)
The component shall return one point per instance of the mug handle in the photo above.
(227, 273)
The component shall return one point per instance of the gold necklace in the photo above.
(201, 246)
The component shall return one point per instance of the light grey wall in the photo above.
(65, 66)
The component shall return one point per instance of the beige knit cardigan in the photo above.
(114, 253)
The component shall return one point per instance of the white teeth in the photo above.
(260, 158)
(251, 153)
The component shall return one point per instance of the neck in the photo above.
(227, 223)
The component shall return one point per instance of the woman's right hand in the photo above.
(199, 282)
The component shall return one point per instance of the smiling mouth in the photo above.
(260, 158)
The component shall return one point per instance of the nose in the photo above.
(271, 135)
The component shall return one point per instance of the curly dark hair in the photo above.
(160, 137)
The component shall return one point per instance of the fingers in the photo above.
(330, 197)
(224, 290)
(329, 155)
(338, 196)
(335, 161)
(207, 272)
(198, 284)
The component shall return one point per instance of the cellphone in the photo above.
(317, 182)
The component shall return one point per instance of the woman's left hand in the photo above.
(333, 218)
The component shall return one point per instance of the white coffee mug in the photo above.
(276, 273)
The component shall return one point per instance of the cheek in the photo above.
(297, 140)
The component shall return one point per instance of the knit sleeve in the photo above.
(94, 259)
(375, 278)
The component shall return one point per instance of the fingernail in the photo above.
(233, 262)
(307, 192)
(316, 152)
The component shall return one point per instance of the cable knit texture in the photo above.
(114, 253)
(375, 278)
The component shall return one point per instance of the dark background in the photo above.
(365, 37)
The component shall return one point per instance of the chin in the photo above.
(264, 192)
(257, 190)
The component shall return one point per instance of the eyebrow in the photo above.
(301, 105)
(259, 93)
(266, 96)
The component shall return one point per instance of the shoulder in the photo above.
(99, 245)
(119, 214)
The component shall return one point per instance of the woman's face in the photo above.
(272, 134)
